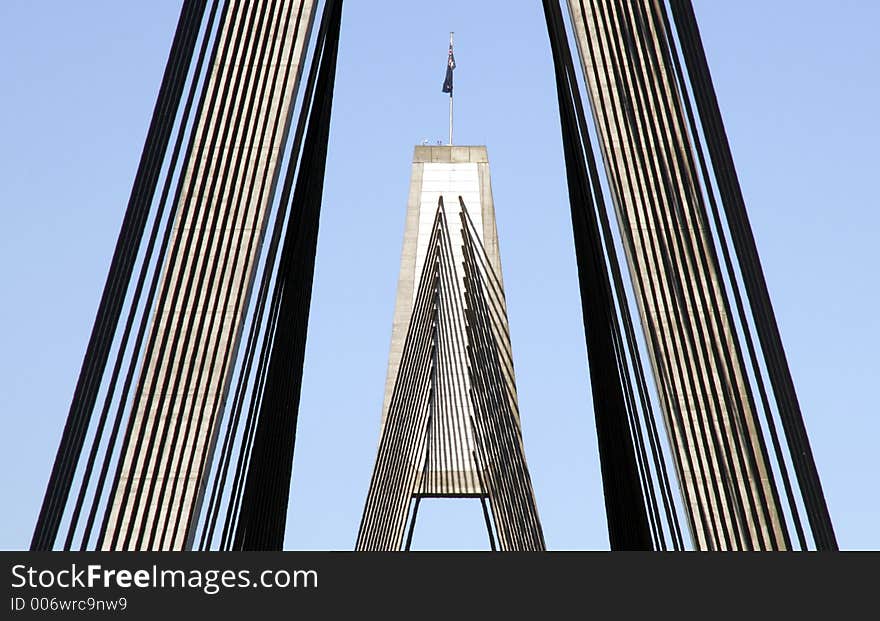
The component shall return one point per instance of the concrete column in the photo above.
(450, 172)
(645, 150)
(244, 205)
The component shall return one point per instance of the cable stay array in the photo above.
(452, 426)
(722, 384)
(182, 425)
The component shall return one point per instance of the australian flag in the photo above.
(450, 65)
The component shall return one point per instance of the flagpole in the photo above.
(450, 98)
(450, 119)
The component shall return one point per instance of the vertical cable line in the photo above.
(742, 414)
(753, 277)
(408, 412)
(187, 208)
(489, 312)
(250, 349)
(495, 414)
(158, 219)
(457, 367)
(108, 455)
(665, 293)
(672, 266)
(471, 407)
(287, 395)
(202, 283)
(401, 441)
(735, 408)
(672, 247)
(261, 519)
(780, 460)
(440, 416)
(121, 266)
(459, 464)
(717, 409)
(225, 274)
(493, 451)
(182, 284)
(627, 517)
(665, 369)
(240, 299)
(154, 285)
(201, 287)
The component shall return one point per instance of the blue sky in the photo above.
(797, 86)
